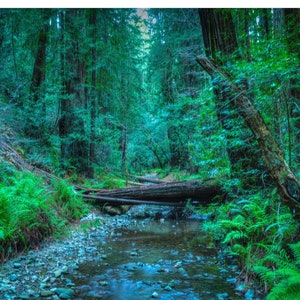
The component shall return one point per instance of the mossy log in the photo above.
(170, 193)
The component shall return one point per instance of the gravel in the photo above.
(42, 273)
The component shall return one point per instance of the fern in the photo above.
(288, 288)
(284, 275)
(296, 252)
(67, 202)
(235, 235)
(256, 230)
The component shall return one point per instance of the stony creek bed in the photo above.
(124, 257)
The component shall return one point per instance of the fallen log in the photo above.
(169, 193)
(122, 201)
(148, 179)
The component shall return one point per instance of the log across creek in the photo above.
(175, 193)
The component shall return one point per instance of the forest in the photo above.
(92, 97)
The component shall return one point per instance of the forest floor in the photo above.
(143, 254)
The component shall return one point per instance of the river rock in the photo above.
(45, 293)
(249, 294)
(17, 265)
(168, 288)
(64, 293)
(13, 277)
(154, 295)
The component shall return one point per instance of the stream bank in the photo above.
(124, 257)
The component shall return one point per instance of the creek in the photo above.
(127, 257)
(164, 259)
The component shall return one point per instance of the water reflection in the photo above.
(156, 259)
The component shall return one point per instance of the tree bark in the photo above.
(74, 140)
(39, 69)
(36, 109)
(170, 193)
(287, 184)
(93, 93)
(167, 193)
(292, 37)
(221, 45)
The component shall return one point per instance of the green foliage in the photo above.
(24, 213)
(281, 270)
(256, 230)
(30, 211)
(66, 201)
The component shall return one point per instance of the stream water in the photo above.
(156, 259)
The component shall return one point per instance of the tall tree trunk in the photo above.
(36, 109)
(247, 35)
(287, 183)
(265, 28)
(221, 44)
(93, 93)
(39, 69)
(74, 142)
(292, 30)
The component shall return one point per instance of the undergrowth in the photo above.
(263, 236)
(31, 210)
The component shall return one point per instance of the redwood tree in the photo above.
(36, 107)
(215, 24)
(292, 30)
(74, 141)
(221, 44)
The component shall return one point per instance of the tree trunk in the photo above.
(36, 111)
(170, 193)
(39, 69)
(74, 142)
(292, 34)
(221, 45)
(247, 35)
(93, 93)
(287, 184)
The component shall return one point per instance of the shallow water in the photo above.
(156, 259)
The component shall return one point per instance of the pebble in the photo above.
(13, 277)
(46, 293)
(155, 295)
(64, 293)
(41, 274)
(17, 265)
(249, 294)
(168, 288)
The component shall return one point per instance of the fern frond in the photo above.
(265, 274)
(235, 235)
(296, 252)
(237, 223)
(288, 289)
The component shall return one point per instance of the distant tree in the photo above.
(173, 71)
